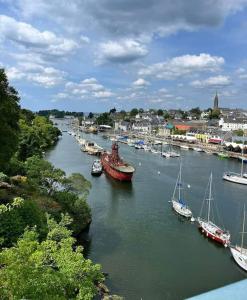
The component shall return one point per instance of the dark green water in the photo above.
(148, 250)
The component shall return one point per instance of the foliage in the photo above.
(76, 207)
(9, 117)
(59, 113)
(90, 115)
(167, 115)
(113, 110)
(16, 216)
(214, 114)
(43, 176)
(239, 132)
(51, 269)
(160, 112)
(134, 112)
(36, 138)
(3, 177)
(104, 119)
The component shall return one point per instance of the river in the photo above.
(150, 252)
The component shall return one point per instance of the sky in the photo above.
(93, 55)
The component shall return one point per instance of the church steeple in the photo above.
(216, 101)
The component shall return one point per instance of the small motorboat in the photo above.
(96, 168)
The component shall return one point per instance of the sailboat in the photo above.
(210, 229)
(236, 177)
(238, 252)
(178, 203)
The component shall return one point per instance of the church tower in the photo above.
(216, 101)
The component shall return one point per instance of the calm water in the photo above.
(148, 250)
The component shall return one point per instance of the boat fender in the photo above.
(206, 234)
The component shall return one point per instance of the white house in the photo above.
(231, 124)
(142, 126)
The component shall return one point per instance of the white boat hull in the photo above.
(181, 209)
(240, 258)
(235, 178)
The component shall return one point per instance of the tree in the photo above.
(51, 269)
(133, 112)
(141, 110)
(113, 111)
(166, 115)
(9, 117)
(104, 119)
(42, 175)
(90, 115)
(214, 114)
(160, 112)
(195, 112)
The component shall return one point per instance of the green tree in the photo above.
(214, 114)
(134, 112)
(104, 119)
(90, 115)
(9, 117)
(43, 176)
(51, 269)
(160, 112)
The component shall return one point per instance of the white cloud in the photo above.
(44, 76)
(183, 65)
(42, 42)
(215, 81)
(140, 83)
(89, 87)
(85, 39)
(123, 51)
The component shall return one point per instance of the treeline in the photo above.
(41, 209)
(59, 113)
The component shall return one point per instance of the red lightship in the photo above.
(115, 166)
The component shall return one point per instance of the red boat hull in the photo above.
(213, 237)
(116, 174)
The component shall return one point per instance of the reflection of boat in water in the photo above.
(208, 228)
(115, 166)
(197, 149)
(96, 168)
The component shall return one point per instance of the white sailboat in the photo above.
(210, 229)
(236, 177)
(239, 253)
(178, 203)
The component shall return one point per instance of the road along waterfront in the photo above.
(147, 249)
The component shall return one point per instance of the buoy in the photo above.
(140, 163)
(188, 186)
(158, 172)
(192, 219)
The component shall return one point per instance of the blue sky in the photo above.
(94, 55)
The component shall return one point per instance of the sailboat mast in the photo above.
(242, 164)
(210, 195)
(242, 238)
(179, 183)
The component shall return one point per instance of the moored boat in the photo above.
(96, 168)
(210, 229)
(184, 147)
(178, 203)
(239, 253)
(235, 177)
(115, 166)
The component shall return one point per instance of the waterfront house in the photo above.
(233, 123)
(143, 126)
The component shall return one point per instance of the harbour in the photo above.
(140, 241)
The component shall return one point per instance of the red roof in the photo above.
(183, 127)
